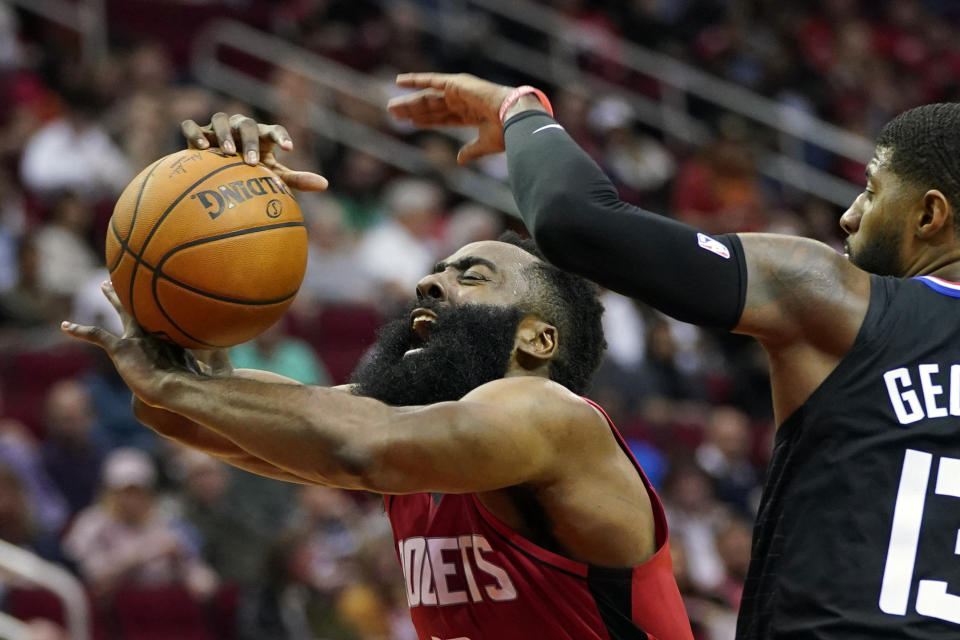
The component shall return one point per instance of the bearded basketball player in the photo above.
(517, 510)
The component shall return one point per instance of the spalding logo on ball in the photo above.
(205, 250)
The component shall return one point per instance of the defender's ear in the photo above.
(536, 342)
(936, 214)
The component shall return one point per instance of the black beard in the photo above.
(880, 257)
(466, 347)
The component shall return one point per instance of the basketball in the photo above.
(205, 250)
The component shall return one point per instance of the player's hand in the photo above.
(214, 362)
(454, 100)
(258, 142)
(144, 362)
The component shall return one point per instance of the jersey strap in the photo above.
(940, 285)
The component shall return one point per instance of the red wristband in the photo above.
(515, 95)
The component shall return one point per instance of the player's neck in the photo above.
(516, 369)
(941, 260)
(946, 266)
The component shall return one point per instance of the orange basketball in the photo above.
(205, 250)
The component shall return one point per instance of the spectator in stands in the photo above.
(74, 449)
(230, 544)
(699, 607)
(359, 182)
(265, 501)
(65, 258)
(88, 301)
(327, 573)
(287, 604)
(725, 457)
(663, 375)
(639, 165)
(333, 266)
(29, 304)
(469, 222)
(718, 190)
(74, 153)
(274, 350)
(17, 523)
(125, 539)
(695, 516)
(330, 519)
(112, 404)
(20, 452)
(397, 252)
(733, 545)
(622, 373)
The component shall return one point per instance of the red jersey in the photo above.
(470, 577)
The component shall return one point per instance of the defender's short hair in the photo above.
(924, 142)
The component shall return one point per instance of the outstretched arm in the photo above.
(501, 434)
(781, 289)
(192, 434)
(785, 291)
(495, 437)
(189, 433)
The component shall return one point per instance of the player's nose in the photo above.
(850, 220)
(431, 287)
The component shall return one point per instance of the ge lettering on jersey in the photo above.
(923, 391)
(920, 392)
(450, 570)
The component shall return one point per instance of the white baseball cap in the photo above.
(128, 467)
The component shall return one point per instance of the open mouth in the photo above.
(421, 324)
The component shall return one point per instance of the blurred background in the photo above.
(733, 115)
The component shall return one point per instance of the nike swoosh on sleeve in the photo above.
(546, 126)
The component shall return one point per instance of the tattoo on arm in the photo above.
(801, 290)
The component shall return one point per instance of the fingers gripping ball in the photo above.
(205, 250)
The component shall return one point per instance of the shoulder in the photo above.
(801, 291)
(543, 404)
(525, 390)
(785, 254)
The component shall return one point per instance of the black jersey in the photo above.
(858, 534)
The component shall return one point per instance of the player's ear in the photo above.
(536, 342)
(936, 214)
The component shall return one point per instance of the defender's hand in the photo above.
(454, 100)
(141, 360)
(258, 142)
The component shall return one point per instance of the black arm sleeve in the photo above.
(581, 225)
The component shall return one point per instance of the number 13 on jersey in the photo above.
(933, 598)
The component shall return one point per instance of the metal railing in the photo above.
(11, 628)
(669, 71)
(331, 76)
(36, 570)
(669, 114)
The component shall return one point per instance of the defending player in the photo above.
(541, 525)
(858, 533)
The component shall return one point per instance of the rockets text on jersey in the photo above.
(429, 562)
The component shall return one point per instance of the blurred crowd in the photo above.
(163, 536)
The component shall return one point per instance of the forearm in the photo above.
(316, 433)
(183, 430)
(581, 225)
